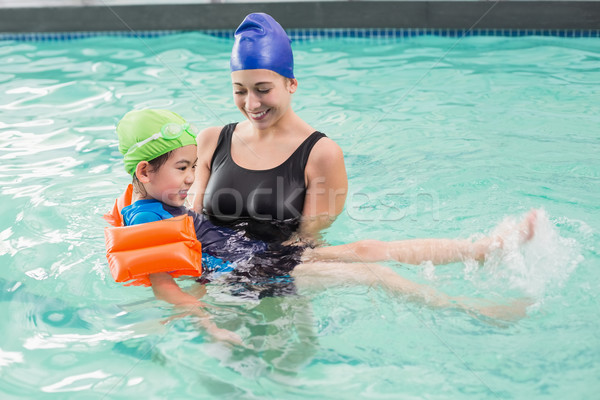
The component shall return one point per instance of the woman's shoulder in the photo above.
(207, 140)
(325, 151)
(208, 135)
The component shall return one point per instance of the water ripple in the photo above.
(433, 148)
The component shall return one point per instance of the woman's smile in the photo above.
(257, 116)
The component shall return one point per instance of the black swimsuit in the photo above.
(265, 203)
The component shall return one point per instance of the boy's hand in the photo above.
(222, 335)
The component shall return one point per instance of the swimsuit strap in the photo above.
(299, 156)
(306, 147)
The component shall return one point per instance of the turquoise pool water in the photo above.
(441, 138)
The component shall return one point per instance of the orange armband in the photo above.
(135, 251)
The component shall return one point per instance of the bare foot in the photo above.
(527, 226)
(525, 231)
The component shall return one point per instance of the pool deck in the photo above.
(320, 14)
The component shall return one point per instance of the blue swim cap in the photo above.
(261, 43)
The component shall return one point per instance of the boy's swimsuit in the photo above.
(266, 204)
(250, 264)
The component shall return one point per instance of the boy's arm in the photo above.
(165, 288)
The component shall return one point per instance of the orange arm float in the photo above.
(134, 252)
(114, 217)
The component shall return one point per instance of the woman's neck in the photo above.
(289, 123)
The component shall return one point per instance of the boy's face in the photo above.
(170, 184)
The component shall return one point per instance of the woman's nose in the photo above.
(252, 102)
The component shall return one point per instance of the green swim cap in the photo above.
(139, 126)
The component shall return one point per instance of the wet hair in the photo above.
(156, 164)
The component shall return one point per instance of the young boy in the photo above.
(159, 151)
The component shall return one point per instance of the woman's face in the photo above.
(263, 96)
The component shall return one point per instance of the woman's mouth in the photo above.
(258, 116)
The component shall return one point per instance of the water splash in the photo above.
(536, 268)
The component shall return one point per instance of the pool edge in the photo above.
(461, 15)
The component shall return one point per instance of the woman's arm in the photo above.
(327, 187)
(207, 143)
(320, 275)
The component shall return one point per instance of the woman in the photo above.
(273, 174)
(160, 154)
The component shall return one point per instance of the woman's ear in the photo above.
(292, 85)
(142, 171)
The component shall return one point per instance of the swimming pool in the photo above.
(441, 137)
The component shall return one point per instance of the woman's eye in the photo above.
(263, 91)
(238, 92)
